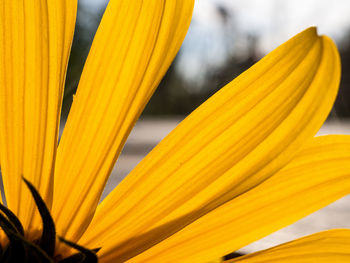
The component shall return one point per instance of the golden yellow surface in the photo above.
(241, 166)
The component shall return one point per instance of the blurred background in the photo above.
(225, 38)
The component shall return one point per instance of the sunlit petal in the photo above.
(234, 141)
(319, 175)
(324, 247)
(35, 40)
(134, 46)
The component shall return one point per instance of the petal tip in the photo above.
(310, 31)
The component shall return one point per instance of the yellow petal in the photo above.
(35, 40)
(324, 247)
(319, 175)
(234, 141)
(134, 46)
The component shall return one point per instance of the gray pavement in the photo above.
(148, 132)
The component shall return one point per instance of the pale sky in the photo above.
(276, 20)
(272, 21)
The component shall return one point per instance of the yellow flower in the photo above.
(241, 166)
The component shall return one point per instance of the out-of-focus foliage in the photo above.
(342, 104)
(173, 96)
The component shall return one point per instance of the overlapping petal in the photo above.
(324, 247)
(234, 141)
(133, 47)
(319, 175)
(35, 41)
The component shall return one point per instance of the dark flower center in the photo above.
(19, 249)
